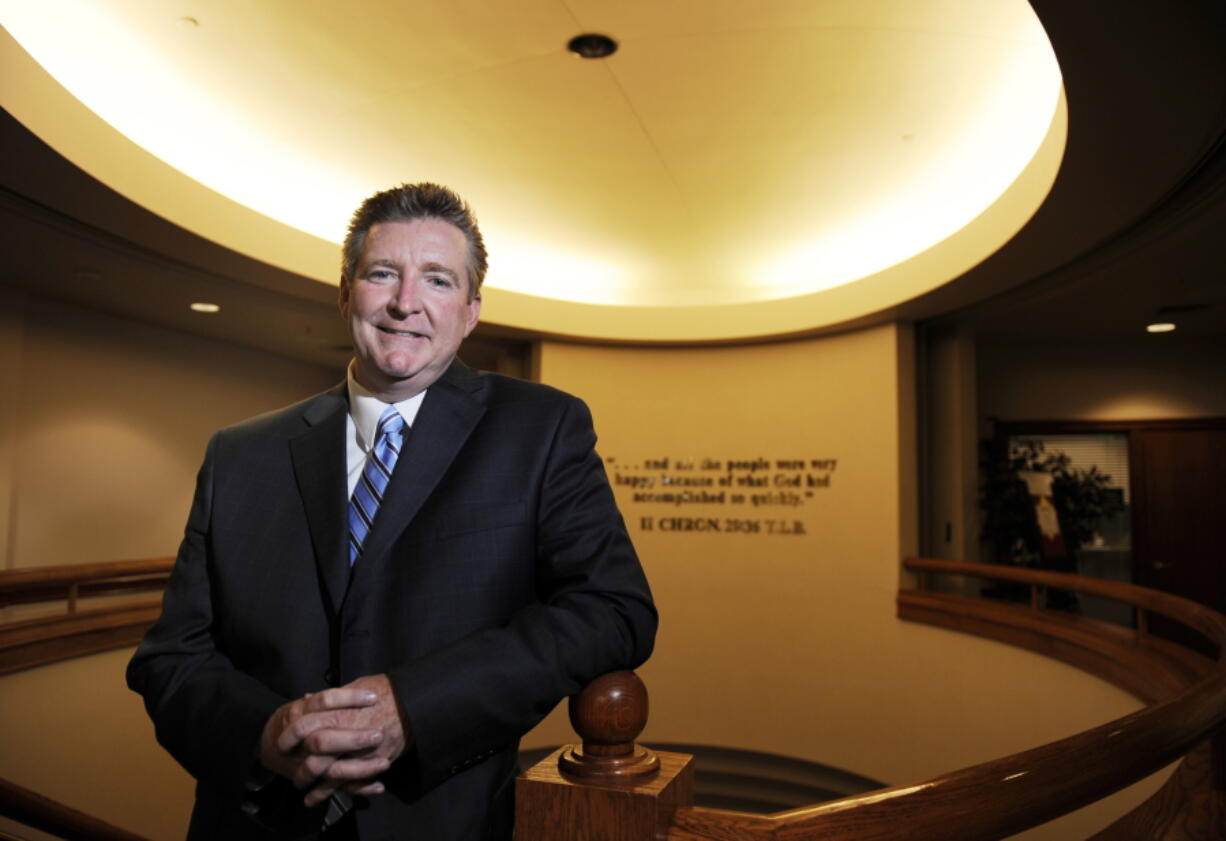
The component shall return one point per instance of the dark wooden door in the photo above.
(1179, 513)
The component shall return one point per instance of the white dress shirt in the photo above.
(364, 412)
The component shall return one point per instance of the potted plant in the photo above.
(1083, 499)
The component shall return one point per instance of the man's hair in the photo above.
(416, 201)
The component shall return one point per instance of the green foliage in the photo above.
(1083, 500)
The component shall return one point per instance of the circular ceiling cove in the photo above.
(734, 170)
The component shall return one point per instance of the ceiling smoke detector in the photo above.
(592, 45)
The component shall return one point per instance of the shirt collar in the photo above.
(366, 409)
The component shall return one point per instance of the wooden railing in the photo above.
(89, 608)
(610, 788)
(94, 609)
(1185, 693)
(42, 813)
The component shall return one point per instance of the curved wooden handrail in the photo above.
(1005, 796)
(32, 809)
(988, 801)
(27, 641)
(1196, 616)
(26, 585)
(38, 640)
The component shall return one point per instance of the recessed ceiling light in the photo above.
(592, 45)
(1159, 327)
(201, 306)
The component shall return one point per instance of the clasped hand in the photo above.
(338, 739)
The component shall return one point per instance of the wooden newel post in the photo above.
(609, 788)
(609, 714)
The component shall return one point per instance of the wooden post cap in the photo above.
(609, 714)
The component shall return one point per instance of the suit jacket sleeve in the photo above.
(206, 713)
(593, 613)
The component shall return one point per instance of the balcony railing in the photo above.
(1185, 694)
(610, 788)
(80, 609)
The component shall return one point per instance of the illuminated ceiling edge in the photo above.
(36, 99)
(46, 108)
(822, 310)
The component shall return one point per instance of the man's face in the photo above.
(408, 306)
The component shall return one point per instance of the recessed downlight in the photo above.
(203, 306)
(592, 45)
(1160, 327)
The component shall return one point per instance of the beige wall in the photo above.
(950, 439)
(72, 731)
(754, 626)
(104, 425)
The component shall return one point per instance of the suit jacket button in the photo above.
(330, 677)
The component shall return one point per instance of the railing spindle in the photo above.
(1217, 758)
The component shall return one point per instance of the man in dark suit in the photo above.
(382, 587)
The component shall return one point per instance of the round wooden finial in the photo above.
(608, 715)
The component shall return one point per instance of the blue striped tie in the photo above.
(368, 493)
(363, 505)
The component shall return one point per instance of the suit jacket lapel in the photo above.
(318, 455)
(452, 407)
